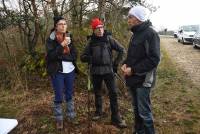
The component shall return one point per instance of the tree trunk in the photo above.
(74, 13)
(81, 14)
(36, 26)
(101, 10)
(54, 8)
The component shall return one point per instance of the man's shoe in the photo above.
(98, 116)
(59, 124)
(120, 124)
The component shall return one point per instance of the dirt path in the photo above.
(185, 56)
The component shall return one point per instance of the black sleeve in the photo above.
(125, 60)
(53, 53)
(86, 55)
(73, 51)
(115, 45)
(152, 59)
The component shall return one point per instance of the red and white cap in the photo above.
(96, 23)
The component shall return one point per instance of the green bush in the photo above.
(34, 64)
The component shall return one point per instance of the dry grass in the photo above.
(175, 102)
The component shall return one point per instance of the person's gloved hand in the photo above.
(115, 67)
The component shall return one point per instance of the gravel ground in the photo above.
(185, 56)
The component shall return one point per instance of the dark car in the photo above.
(196, 40)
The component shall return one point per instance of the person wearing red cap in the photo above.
(96, 23)
(98, 54)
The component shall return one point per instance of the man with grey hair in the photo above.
(139, 68)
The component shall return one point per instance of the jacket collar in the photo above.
(141, 27)
(53, 35)
(95, 38)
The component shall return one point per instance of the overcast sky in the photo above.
(173, 13)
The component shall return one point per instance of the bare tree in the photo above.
(33, 40)
(101, 9)
(54, 8)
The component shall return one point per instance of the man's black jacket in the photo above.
(89, 53)
(137, 58)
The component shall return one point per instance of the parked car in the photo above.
(186, 33)
(196, 40)
(175, 34)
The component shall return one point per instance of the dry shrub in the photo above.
(101, 129)
(9, 46)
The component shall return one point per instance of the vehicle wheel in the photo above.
(193, 45)
(183, 41)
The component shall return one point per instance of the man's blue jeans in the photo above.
(142, 110)
(63, 86)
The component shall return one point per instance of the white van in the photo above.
(186, 33)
